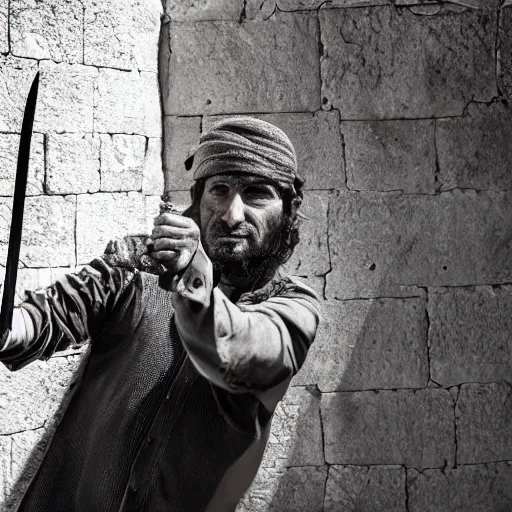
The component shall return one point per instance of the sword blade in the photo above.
(18, 206)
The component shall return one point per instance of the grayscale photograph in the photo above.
(255, 256)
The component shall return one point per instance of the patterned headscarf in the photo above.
(246, 145)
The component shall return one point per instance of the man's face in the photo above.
(241, 218)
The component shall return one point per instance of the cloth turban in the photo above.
(246, 145)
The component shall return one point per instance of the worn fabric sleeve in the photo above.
(69, 312)
(242, 348)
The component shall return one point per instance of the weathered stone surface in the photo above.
(311, 256)
(47, 30)
(281, 490)
(379, 241)
(152, 107)
(443, 61)
(65, 101)
(390, 155)
(48, 231)
(204, 10)
(369, 344)
(414, 428)
(16, 76)
(484, 416)
(127, 102)
(9, 144)
(122, 162)
(470, 335)
(5, 466)
(181, 136)
(474, 151)
(259, 9)
(296, 436)
(504, 50)
(485, 488)
(30, 397)
(226, 62)
(152, 172)
(73, 164)
(317, 141)
(122, 34)
(105, 217)
(4, 39)
(368, 489)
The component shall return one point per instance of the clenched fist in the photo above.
(175, 240)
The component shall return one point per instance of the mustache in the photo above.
(221, 228)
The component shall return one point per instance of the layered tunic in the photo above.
(173, 406)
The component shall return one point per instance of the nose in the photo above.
(234, 213)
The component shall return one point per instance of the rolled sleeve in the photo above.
(69, 312)
(249, 347)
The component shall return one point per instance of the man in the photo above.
(173, 408)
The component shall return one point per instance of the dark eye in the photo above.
(258, 192)
(219, 190)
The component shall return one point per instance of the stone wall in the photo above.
(398, 110)
(95, 172)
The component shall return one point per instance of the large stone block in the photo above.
(204, 10)
(470, 334)
(481, 488)
(317, 140)
(65, 101)
(16, 76)
(9, 144)
(73, 164)
(380, 242)
(504, 50)
(390, 155)
(152, 172)
(122, 162)
(311, 255)
(474, 151)
(413, 428)
(181, 138)
(105, 217)
(48, 238)
(484, 415)
(292, 5)
(226, 62)
(259, 10)
(127, 102)
(152, 105)
(368, 489)
(296, 436)
(32, 396)
(369, 344)
(298, 489)
(4, 35)
(122, 35)
(47, 30)
(381, 62)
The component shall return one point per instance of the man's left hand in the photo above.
(175, 240)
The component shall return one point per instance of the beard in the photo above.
(247, 255)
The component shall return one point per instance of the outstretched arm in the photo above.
(241, 348)
(70, 311)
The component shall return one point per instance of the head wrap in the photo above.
(246, 145)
